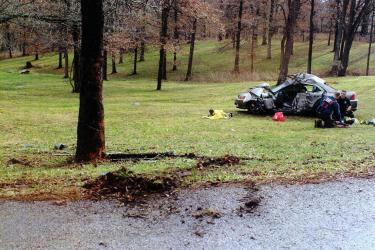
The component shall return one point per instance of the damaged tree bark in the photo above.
(90, 131)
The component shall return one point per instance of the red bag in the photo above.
(278, 116)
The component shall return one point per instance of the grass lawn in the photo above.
(38, 110)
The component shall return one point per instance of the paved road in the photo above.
(335, 215)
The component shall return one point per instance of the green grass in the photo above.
(38, 110)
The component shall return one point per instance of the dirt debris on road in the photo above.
(124, 185)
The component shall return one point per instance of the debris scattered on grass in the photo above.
(144, 156)
(205, 162)
(22, 162)
(127, 186)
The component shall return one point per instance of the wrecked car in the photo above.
(299, 94)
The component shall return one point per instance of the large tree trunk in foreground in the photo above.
(238, 39)
(311, 37)
(191, 54)
(162, 53)
(90, 131)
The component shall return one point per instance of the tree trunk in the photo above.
(60, 59)
(191, 54)
(165, 65)
(370, 43)
(66, 63)
(238, 39)
(10, 52)
(105, 65)
(76, 59)
(233, 35)
(90, 131)
(163, 37)
(8, 38)
(175, 36)
(264, 35)
(24, 44)
(142, 52)
(135, 61)
(270, 29)
(330, 33)
(342, 39)
(114, 70)
(252, 50)
(121, 58)
(287, 41)
(311, 36)
(36, 55)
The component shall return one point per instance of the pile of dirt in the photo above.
(127, 186)
(205, 162)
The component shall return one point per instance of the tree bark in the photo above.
(60, 65)
(175, 36)
(163, 37)
(105, 65)
(287, 41)
(142, 52)
(370, 43)
(191, 54)
(24, 44)
(121, 58)
(114, 69)
(66, 63)
(330, 33)
(165, 65)
(252, 50)
(270, 29)
(135, 61)
(311, 36)
(90, 131)
(238, 39)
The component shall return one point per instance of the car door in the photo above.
(305, 101)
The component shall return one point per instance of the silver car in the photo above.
(299, 94)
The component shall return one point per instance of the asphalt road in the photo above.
(334, 215)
